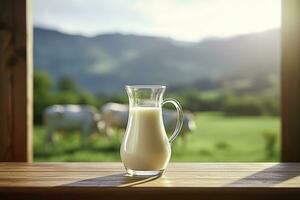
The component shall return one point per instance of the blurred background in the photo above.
(220, 59)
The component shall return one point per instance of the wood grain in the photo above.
(181, 180)
(290, 81)
(15, 82)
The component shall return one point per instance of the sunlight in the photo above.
(182, 20)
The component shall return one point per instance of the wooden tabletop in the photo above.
(181, 180)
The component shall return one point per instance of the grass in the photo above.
(217, 138)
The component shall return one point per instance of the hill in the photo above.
(107, 62)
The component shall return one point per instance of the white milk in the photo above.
(145, 146)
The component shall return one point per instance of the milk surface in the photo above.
(145, 145)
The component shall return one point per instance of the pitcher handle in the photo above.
(179, 117)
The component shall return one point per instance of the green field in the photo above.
(216, 138)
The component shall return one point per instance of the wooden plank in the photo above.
(112, 167)
(134, 193)
(290, 81)
(181, 180)
(15, 82)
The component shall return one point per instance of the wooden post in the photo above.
(290, 81)
(15, 81)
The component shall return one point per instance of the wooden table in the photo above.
(181, 181)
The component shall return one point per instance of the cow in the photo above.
(115, 115)
(85, 119)
(170, 120)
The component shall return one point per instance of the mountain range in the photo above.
(103, 64)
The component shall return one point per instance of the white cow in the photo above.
(71, 117)
(115, 115)
(170, 120)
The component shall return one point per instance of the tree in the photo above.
(42, 82)
(87, 98)
(42, 95)
(67, 84)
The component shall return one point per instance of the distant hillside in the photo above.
(105, 63)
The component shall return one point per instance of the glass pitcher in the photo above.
(146, 149)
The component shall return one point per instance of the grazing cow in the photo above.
(115, 115)
(71, 117)
(170, 120)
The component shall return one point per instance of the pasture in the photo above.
(217, 138)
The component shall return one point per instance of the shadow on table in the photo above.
(268, 177)
(114, 180)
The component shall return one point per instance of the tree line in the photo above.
(67, 91)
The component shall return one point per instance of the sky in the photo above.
(187, 20)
